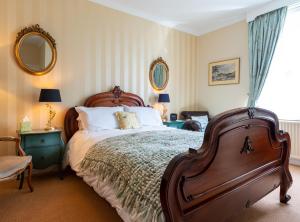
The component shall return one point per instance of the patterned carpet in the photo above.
(71, 200)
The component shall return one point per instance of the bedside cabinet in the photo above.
(175, 124)
(46, 147)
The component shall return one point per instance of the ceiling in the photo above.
(192, 16)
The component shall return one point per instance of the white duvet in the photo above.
(75, 153)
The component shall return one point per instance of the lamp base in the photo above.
(51, 116)
(49, 128)
(164, 116)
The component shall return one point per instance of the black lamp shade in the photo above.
(163, 98)
(50, 95)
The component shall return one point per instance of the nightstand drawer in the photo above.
(41, 140)
(45, 157)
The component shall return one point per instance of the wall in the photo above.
(226, 43)
(97, 49)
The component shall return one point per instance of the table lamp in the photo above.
(48, 96)
(164, 98)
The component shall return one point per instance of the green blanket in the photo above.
(134, 164)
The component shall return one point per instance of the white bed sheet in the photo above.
(82, 140)
(75, 153)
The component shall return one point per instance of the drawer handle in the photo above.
(42, 141)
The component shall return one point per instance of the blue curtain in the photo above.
(263, 34)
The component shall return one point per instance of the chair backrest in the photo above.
(19, 149)
(188, 114)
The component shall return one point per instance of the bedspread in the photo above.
(134, 164)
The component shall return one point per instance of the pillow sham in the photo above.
(127, 120)
(147, 116)
(97, 118)
(203, 120)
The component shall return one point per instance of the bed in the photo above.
(243, 157)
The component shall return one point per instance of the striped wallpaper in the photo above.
(97, 48)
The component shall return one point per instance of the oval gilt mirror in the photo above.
(159, 74)
(35, 50)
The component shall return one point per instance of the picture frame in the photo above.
(224, 72)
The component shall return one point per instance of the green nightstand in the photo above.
(175, 124)
(46, 147)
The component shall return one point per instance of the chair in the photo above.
(11, 166)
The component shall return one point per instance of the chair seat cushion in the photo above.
(9, 165)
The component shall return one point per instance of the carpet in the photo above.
(72, 200)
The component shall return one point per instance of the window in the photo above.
(281, 92)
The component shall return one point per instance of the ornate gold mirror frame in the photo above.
(35, 30)
(151, 74)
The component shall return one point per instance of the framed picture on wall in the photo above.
(224, 72)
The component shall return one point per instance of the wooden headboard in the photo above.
(115, 97)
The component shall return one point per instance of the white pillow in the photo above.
(146, 115)
(203, 120)
(98, 118)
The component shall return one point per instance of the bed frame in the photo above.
(244, 157)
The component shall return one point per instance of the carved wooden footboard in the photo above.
(244, 156)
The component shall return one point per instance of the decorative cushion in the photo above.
(9, 165)
(127, 120)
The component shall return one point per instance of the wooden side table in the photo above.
(46, 147)
(175, 124)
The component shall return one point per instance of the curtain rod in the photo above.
(251, 15)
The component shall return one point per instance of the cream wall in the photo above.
(97, 49)
(226, 43)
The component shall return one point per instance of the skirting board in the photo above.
(295, 160)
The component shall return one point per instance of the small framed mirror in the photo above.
(159, 74)
(35, 50)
